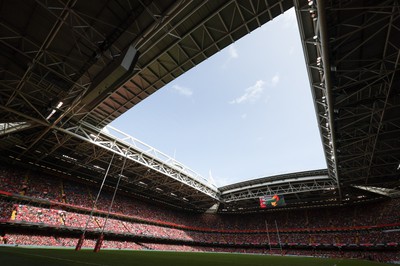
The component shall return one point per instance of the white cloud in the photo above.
(275, 80)
(233, 53)
(183, 90)
(251, 94)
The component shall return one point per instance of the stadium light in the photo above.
(319, 61)
(21, 147)
(51, 114)
(312, 9)
(54, 110)
(142, 184)
(98, 167)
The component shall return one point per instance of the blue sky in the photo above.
(246, 112)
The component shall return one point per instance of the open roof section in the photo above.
(246, 112)
(181, 37)
(54, 54)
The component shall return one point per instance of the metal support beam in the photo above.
(133, 150)
(281, 187)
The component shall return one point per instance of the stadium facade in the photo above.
(70, 68)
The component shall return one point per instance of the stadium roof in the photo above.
(70, 68)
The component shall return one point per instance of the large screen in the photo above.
(271, 202)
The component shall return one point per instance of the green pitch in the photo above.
(10, 256)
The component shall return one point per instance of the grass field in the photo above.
(10, 256)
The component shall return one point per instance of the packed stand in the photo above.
(138, 218)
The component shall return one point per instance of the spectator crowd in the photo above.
(67, 205)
